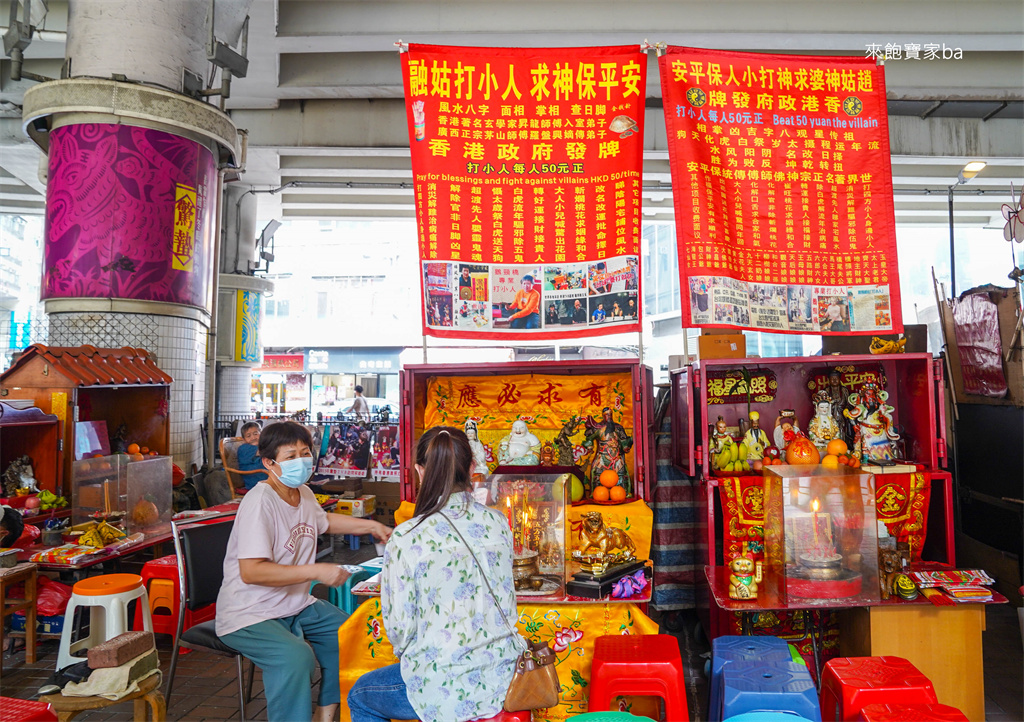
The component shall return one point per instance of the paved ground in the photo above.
(206, 686)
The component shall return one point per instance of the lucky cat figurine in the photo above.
(745, 576)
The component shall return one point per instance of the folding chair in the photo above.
(229, 458)
(201, 544)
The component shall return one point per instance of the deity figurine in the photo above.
(745, 575)
(823, 427)
(785, 423)
(756, 439)
(837, 399)
(520, 447)
(721, 440)
(873, 434)
(611, 443)
(479, 453)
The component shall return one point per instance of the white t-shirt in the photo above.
(267, 527)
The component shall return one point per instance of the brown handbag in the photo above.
(534, 682)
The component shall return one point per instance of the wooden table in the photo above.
(151, 540)
(22, 573)
(148, 693)
(944, 642)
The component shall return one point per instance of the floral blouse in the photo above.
(456, 651)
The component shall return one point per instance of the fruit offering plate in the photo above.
(627, 500)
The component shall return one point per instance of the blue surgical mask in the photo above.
(296, 472)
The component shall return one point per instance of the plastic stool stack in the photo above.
(638, 665)
(763, 687)
(910, 713)
(848, 684)
(107, 598)
(733, 648)
(156, 575)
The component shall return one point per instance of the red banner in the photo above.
(526, 166)
(783, 191)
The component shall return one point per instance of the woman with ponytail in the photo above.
(455, 649)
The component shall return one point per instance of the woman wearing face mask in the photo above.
(264, 609)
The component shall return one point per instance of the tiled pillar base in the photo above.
(176, 345)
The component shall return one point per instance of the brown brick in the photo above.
(115, 652)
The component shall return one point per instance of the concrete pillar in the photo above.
(132, 202)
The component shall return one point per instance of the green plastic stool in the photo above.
(610, 717)
(796, 655)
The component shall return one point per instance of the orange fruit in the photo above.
(601, 493)
(844, 459)
(609, 478)
(830, 461)
(133, 448)
(144, 450)
(802, 451)
(854, 462)
(97, 456)
(617, 493)
(837, 447)
(136, 456)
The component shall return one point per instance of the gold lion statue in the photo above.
(606, 539)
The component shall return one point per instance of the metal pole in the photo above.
(558, 352)
(424, 349)
(640, 336)
(952, 252)
(211, 343)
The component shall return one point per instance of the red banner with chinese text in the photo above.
(783, 191)
(527, 173)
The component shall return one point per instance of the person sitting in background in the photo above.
(455, 664)
(248, 455)
(264, 609)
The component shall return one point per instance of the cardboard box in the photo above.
(362, 507)
(732, 345)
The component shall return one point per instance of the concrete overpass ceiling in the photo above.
(322, 100)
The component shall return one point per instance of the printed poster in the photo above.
(783, 191)
(527, 171)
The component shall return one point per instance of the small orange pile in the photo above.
(837, 453)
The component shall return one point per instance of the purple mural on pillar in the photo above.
(129, 214)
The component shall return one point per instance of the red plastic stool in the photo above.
(911, 713)
(25, 710)
(642, 665)
(167, 568)
(849, 684)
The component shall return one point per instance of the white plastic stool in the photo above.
(107, 598)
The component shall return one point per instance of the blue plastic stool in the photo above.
(353, 541)
(733, 648)
(768, 687)
(767, 717)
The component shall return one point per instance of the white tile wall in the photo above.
(176, 345)
(234, 387)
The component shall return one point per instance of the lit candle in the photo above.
(508, 511)
(814, 519)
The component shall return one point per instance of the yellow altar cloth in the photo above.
(570, 629)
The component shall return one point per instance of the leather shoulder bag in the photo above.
(534, 682)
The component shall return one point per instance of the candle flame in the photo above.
(815, 505)
(508, 502)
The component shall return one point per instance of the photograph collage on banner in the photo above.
(516, 298)
(723, 301)
(353, 449)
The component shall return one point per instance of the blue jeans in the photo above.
(278, 647)
(530, 321)
(379, 696)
